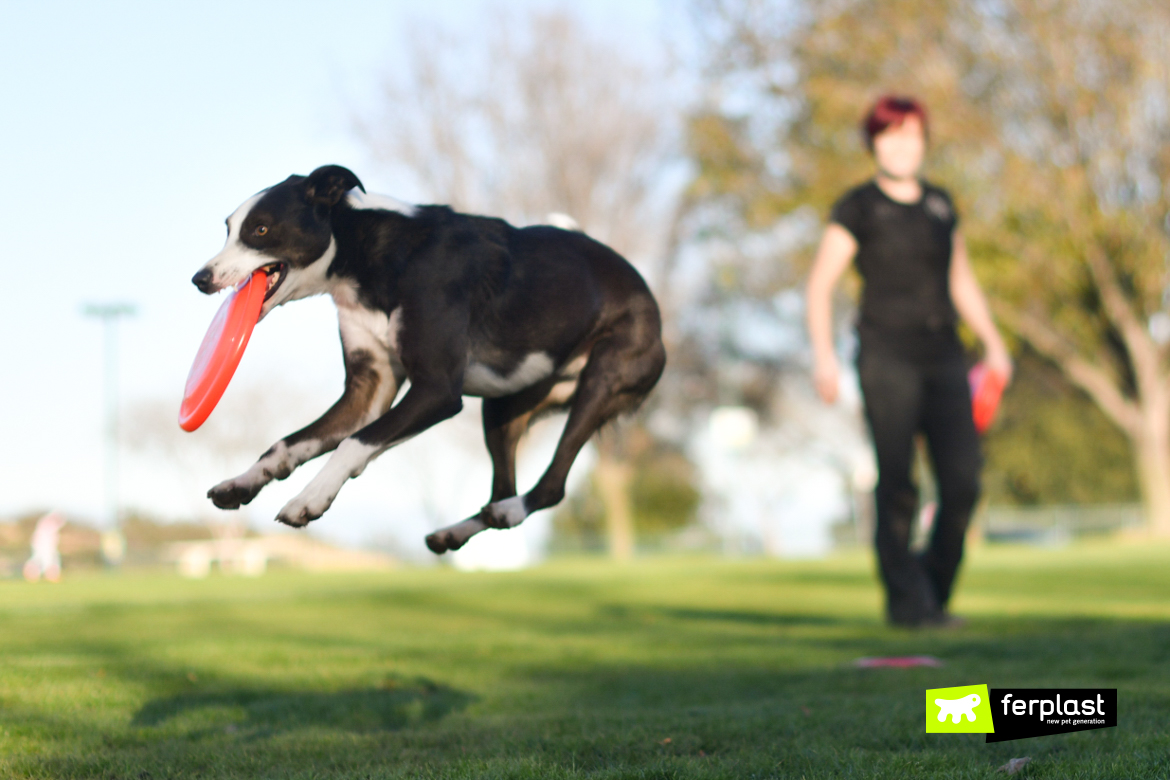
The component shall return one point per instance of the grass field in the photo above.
(665, 668)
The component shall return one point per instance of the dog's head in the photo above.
(286, 231)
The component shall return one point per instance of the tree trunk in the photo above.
(612, 477)
(1152, 454)
(1144, 419)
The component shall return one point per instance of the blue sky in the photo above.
(130, 130)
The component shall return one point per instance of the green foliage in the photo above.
(663, 497)
(1052, 445)
(677, 668)
(579, 521)
(663, 492)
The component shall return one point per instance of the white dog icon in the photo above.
(957, 708)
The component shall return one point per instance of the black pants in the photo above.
(902, 398)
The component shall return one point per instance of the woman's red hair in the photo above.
(891, 111)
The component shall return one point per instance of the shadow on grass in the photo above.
(748, 617)
(394, 704)
(745, 617)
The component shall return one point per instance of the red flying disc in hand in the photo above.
(221, 350)
(986, 389)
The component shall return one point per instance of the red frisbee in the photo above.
(986, 389)
(221, 350)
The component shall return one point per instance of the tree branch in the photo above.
(1094, 381)
(1142, 350)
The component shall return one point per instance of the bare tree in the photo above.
(535, 118)
(542, 117)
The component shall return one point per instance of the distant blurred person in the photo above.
(46, 558)
(902, 232)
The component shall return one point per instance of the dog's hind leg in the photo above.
(371, 384)
(504, 421)
(621, 370)
(455, 536)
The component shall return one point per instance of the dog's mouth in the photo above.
(276, 273)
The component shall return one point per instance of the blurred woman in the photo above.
(903, 234)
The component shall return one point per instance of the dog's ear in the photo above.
(328, 184)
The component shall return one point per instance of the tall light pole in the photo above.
(113, 543)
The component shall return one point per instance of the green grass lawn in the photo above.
(664, 668)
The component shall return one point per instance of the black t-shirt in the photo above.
(904, 256)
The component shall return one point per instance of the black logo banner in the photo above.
(1038, 712)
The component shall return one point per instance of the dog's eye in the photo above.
(261, 230)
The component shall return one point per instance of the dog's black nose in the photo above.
(202, 280)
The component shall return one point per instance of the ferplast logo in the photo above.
(1005, 714)
(962, 710)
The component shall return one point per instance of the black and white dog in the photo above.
(530, 319)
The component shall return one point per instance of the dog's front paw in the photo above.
(298, 513)
(232, 493)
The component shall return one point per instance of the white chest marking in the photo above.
(369, 329)
(374, 332)
(370, 201)
(481, 380)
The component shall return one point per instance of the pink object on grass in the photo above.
(897, 662)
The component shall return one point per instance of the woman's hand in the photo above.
(827, 377)
(833, 256)
(999, 360)
(972, 307)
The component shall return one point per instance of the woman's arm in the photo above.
(972, 307)
(833, 256)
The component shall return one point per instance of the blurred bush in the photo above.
(1052, 445)
(664, 497)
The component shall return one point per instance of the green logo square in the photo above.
(962, 710)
